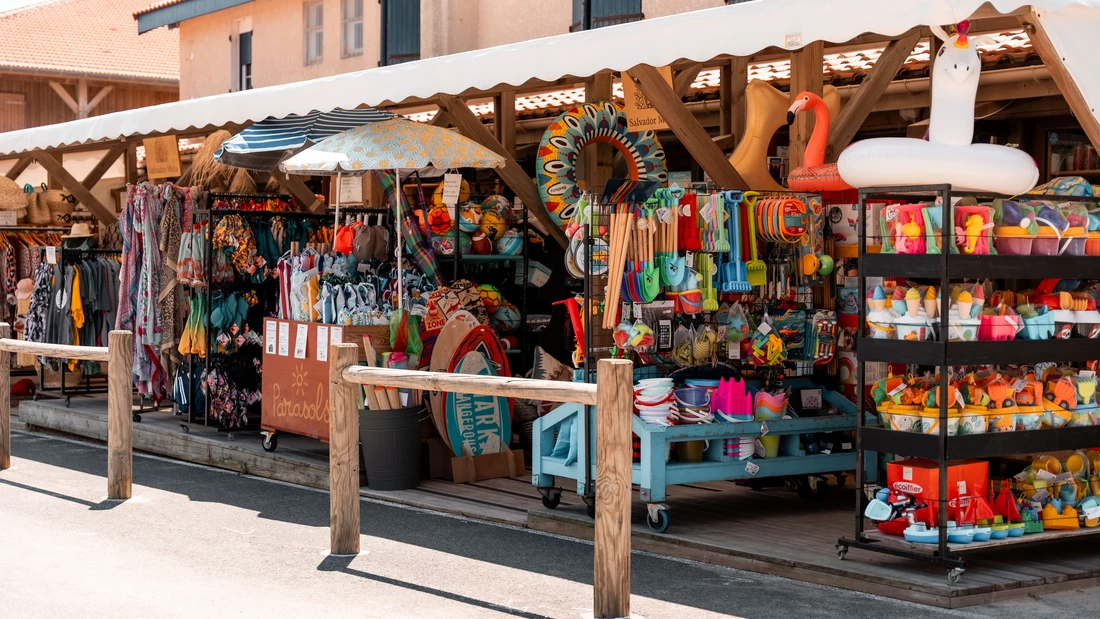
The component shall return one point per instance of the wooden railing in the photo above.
(119, 356)
(612, 395)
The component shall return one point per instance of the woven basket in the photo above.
(11, 195)
(56, 203)
(38, 213)
(23, 359)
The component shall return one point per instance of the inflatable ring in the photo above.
(602, 122)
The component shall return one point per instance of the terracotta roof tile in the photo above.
(87, 37)
(152, 7)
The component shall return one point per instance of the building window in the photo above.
(353, 28)
(400, 31)
(245, 55)
(589, 14)
(314, 31)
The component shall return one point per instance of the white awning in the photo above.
(738, 30)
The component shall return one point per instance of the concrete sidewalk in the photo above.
(199, 542)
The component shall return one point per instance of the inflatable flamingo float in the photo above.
(815, 175)
(948, 156)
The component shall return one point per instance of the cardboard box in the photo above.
(919, 477)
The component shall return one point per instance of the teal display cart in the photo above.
(556, 458)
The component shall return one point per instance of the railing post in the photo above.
(343, 453)
(611, 571)
(120, 414)
(5, 401)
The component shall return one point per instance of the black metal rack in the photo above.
(943, 354)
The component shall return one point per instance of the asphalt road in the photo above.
(198, 543)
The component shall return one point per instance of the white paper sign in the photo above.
(1092, 513)
(270, 336)
(751, 468)
(1044, 475)
(322, 343)
(8, 218)
(336, 335)
(763, 428)
(758, 449)
(452, 188)
(351, 190)
(51, 255)
(300, 340)
(284, 339)
(1040, 495)
(764, 328)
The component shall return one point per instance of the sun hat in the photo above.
(79, 230)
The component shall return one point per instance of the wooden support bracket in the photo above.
(807, 75)
(75, 187)
(682, 82)
(295, 187)
(512, 173)
(844, 128)
(22, 164)
(1056, 64)
(687, 128)
(104, 164)
(734, 77)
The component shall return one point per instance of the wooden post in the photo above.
(611, 572)
(120, 414)
(807, 69)
(599, 159)
(343, 453)
(1056, 64)
(5, 401)
(504, 120)
(734, 77)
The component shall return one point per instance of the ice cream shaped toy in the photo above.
(898, 301)
(965, 302)
(876, 298)
(913, 302)
(931, 302)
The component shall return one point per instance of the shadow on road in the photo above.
(101, 506)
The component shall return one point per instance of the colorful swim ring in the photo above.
(602, 122)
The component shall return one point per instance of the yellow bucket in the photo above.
(930, 421)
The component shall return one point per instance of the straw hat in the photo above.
(24, 289)
(11, 195)
(79, 230)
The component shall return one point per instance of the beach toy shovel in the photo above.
(734, 278)
(756, 271)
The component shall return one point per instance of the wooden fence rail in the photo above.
(612, 393)
(119, 355)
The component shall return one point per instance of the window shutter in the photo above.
(245, 47)
(611, 12)
(578, 16)
(402, 31)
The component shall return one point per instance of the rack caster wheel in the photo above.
(660, 522)
(953, 575)
(756, 484)
(841, 479)
(270, 442)
(551, 497)
(811, 489)
(137, 418)
(34, 398)
(228, 436)
(590, 506)
(841, 551)
(186, 428)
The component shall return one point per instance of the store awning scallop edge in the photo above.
(739, 30)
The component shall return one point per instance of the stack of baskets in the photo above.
(34, 207)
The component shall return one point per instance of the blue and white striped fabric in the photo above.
(263, 145)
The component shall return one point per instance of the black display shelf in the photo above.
(1023, 267)
(897, 265)
(978, 353)
(990, 445)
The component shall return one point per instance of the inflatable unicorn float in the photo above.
(948, 156)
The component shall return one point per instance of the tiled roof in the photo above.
(155, 6)
(1009, 47)
(96, 38)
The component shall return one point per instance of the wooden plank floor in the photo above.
(770, 531)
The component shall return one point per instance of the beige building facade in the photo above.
(293, 40)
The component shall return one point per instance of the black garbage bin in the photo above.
(391, 447)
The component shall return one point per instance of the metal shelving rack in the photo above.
(943, 354)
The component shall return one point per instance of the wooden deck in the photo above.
(771, 531)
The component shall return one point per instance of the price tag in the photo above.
(1021, 476)
(625, 313)
(896, 390)
(284, 339)
(1019, 384)
(51, 255)
(336, 335)
(1040, 495)
(959, 398)
(452, 188)
(1062, 478)
(758, 449)
(419, 310)
(322, 343)
(301, 338)
(733, 350)
(664, 215)
(1044, 475)
(271, 337)
(763, 428)
(962, 487)
(8, 218)
(1092, 513)
(764, 328)
(752, 468)
(792, 40)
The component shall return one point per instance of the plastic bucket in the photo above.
(391, 447)
(1092, 244)
(1012, 240)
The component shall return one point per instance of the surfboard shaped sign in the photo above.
(450, 337)
(477, 424)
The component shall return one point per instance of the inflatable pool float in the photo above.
(570, 133)
(814, 175)
(948, 156)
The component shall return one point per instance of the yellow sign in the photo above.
(162, 157)
(640, 113)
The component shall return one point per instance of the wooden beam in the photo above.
(599, 159)
(512, 173)
(1056, 64)
(734, 77)
(844, 128)
(19, 166)
(807, 74)
(120, 415)
(131, 163)
(343, 453)
(441, 119)
(682, 82)
(67, 98)
(70, 184)
(82, 98)
(611, 547)
(99, 97)
(297, 188)
(104, 164)
(504, 120)
(683, 123)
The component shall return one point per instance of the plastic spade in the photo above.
(756, 271)
(734, 278)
